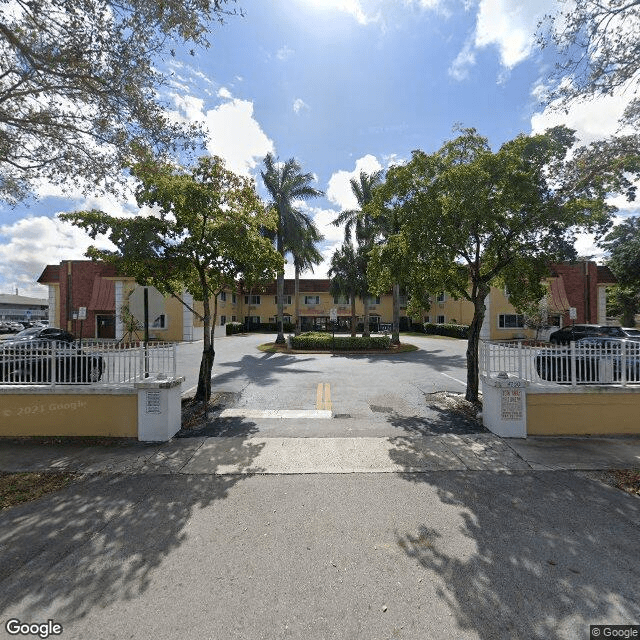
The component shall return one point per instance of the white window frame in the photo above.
(287, 300)
(160, 322)
(441, 297)
(223, 296)
(223, 320)
(443, 321)
(373, 300)
(255, 300)
(312, 300)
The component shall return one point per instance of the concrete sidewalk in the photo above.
(293, 455)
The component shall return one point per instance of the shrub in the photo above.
(317, 341)
(234, 327)
(450, 330)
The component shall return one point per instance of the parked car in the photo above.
(598, 359)
(575, 332)
(40, 334)
(30, 356)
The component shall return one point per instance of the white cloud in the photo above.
(459, 69)
(34, 242)
(189, 107)
(509, 25)
(352, 7)
(339, 189)
(299, 104)
(236, 136)
(592, 119)
(284, 53)
(224, 93)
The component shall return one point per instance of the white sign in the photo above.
(333, 314)
(153, 402)
(511, 404)
(136, 304)
(573, 313)
(82, 313)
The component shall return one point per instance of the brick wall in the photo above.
(581, 284)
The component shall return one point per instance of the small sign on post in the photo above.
(333, 314)
(573, 313)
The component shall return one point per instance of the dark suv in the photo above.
(578, 331)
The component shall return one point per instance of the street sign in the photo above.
(82, 313)
(573, 313)
(136, 304)
(333, 314)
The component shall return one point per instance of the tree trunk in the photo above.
(203, 392)
(395, 329)
(473, 344)
(354, 319)
(365, 327)
(280, 339)
(296, 293)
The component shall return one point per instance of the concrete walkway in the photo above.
(291, 455)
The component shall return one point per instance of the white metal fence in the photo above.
(615, 362)
(96, 362)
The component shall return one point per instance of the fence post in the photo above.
(52, 362)
(623, 363)
(174, 360)
(520, 359)
(572, 356)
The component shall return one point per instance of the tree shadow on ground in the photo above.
(100, 540)
(439, 421)
(435, 358)
(259, 370)
(535, 555)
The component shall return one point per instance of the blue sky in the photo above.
(341, 85)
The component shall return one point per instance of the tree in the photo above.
(207, 235)
(364, 225)
(305, 256)
(470, 217)
(345, 273)
(622, 244)
(599, 51)
(79, 83)
(286, 183)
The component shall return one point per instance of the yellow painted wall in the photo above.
(606, 413)
(68, 414)
(499, 304)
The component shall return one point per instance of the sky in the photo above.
(342, 86)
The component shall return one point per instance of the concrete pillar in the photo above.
(504, 406)
(159, 408)
(119, 295)
(485, 330)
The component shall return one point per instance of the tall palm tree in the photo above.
(305, 256)
(345, 273)
(286, 183)
(364, 225)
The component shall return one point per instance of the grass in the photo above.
(271, 347)
(16, 488)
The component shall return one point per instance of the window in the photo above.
(510, 321)
(223, 296)
(234, 318)
(287, 300)
(160, 322)
(252, 319)
(340, 299)
(233, 298)
(441, 297)
(403, 301)
(312, 299)
(440, 320)
(427, 318)
(254, 299)
(223, 320)
(374, 299)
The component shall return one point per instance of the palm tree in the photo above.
(286, 183)
(364, 225)
(305, 256)
(345, 273)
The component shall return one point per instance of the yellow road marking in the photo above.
(327, 397)
(323, 397)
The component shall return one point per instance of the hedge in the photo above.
(451, 330)
(267, 327)
(315, 340)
